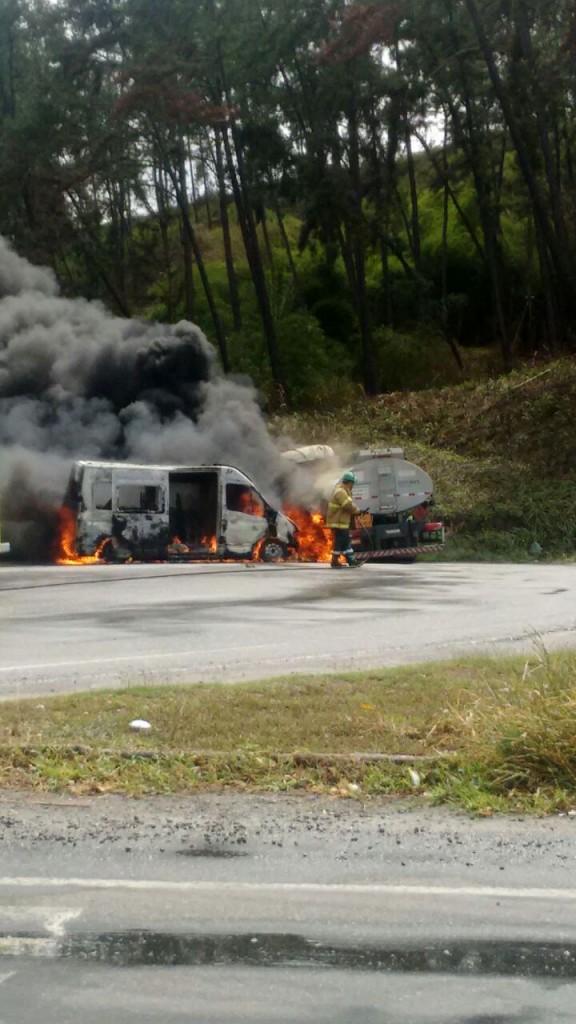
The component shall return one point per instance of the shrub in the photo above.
(413, 361)
(315, 366)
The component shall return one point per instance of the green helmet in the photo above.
(348, 478)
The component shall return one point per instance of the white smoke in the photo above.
(77, 382)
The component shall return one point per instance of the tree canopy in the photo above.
(354, 192)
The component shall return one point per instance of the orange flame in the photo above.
(67, 554)
(179, 547)
(248, 503)
(314, 538)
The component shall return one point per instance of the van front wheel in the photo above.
(272, 550)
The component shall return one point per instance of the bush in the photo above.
(413, 361)
(487, 546)
(248, 355)
(315, 367)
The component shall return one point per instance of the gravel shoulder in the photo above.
(262, 838)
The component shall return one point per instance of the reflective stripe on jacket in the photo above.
(341, 508)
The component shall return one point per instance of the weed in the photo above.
(495, 735)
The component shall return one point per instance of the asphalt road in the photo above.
(240, 909)
(224, 909)
(66, 628)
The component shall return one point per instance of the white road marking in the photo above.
(6, 977)
(53, 919)
(134, 657)
(141, 885)
(11, 945)
(56, 924)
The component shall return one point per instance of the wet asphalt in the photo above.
(234, 908)
(65, 628)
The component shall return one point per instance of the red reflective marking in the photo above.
(398, 552)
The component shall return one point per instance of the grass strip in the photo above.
(486, 735)
(143, 773)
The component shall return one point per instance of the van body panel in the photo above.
(127, 505)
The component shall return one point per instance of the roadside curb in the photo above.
(301, 759)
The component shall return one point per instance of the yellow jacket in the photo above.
(341, 509)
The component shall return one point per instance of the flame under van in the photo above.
(177, 513)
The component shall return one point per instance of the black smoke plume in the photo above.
(78, 382)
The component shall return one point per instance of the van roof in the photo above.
(166, 467)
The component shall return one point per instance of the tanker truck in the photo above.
(395, 496)
(397, 502)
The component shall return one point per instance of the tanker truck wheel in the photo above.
(272, 550)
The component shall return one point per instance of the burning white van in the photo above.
(177, 513)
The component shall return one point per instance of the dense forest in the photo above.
(340, 194)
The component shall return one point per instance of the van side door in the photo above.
(140, 512)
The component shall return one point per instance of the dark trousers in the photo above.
(342, 545)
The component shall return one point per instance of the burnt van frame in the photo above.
(174, 513)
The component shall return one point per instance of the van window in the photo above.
(139, 498)
(240, 498)
(102, 494)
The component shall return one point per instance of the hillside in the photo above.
(501, 452)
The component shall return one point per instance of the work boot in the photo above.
(335, 563)
(353, 563)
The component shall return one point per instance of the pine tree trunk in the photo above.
(286, 243)
(356, 257)
(225, 222)
(164, 217)
(559, 254)
(415, 213)
(189, 296)
(174, 175)
(472, 142)
(250, 237)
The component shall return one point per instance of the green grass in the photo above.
(389, 710)
(485, 735)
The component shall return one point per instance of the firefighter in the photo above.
(341, 510)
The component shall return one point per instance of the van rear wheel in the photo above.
(272, 550)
